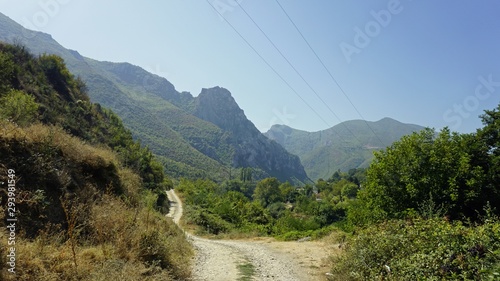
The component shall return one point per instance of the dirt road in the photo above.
(264, 259)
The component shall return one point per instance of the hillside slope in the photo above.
(83, 196)
(345, 146)
(165, 119)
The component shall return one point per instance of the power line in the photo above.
(267, 63)
(327, 70)
(297, 72)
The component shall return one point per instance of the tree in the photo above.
(18, 107)
(336, 176)
(349, 191)
(288, 192)
(420, 169)
(245, 188)
(322, 185)
(8, 72)
(267, 192)
(487, 147)
(246, 174)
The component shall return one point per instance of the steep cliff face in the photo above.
(251, 148)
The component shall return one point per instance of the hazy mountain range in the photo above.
(345, 146)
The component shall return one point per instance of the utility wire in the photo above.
(329, 73)
(297, 72)
(267, 63)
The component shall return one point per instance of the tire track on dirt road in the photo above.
(218, 260)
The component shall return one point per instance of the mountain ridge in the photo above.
(164, 119)
(344, 146)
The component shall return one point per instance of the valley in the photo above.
(97, 156)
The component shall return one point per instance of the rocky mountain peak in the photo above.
(218, 106)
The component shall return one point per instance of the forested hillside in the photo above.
(87, 197)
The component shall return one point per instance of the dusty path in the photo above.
(220, 259)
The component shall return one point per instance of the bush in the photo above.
(18, 107)
(153, 250)
(211, 223)
(417, 249)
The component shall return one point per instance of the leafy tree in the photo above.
(58, 75)
(246, 174)
(349, 191)
(419, 169)
(231, 207)
(487, 147)
(255, 213)
(288, 192)
(267, 192)
(307, 190)
(336, 176)
(245, 188)
(8, 72)
(18, 107)
(322, 185)
(276, 209)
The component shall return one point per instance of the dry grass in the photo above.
(71, 146)
(112, 252)
(104, 242)
(57, 137)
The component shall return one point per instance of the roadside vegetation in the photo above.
(269, 207)
(88, 198)
(426, 208)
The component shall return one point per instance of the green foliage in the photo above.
(58, 76)
(267, 192)
(42, 88)
(294, 222)
(349, 191)
(277, 208)
(420, 168)
(8, 72)
(247, 188)
(288, 192)
(246, 174)
(424, 178)
(18, 107)
(418, 249)
(212, 223)
(487, 147)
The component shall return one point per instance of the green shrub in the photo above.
(421, 249)
(211, 223)
(18, 107)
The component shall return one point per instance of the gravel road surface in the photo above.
(219, 260)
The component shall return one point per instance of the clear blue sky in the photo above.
(432, 63)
